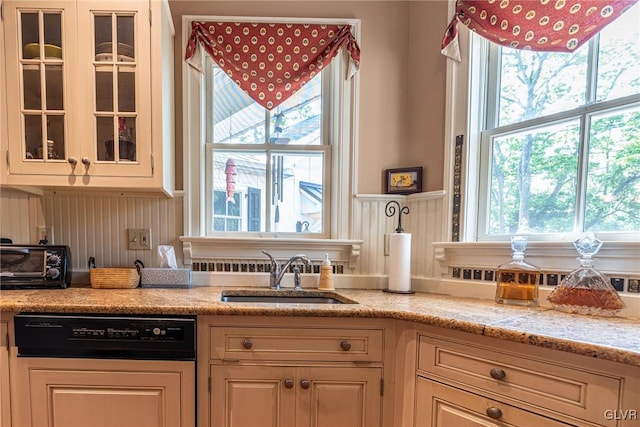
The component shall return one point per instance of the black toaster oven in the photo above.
(34, 266)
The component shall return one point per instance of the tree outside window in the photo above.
(563, 137)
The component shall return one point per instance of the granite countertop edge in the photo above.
(613, 339)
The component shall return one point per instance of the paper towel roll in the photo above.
(400, 262)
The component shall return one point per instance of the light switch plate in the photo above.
(139, 239)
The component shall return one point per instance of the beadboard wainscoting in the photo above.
(96, 225)
(22, 218)
(424, 222)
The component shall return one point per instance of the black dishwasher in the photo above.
(105, 336)
(104, 369)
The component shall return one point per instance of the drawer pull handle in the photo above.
(288, 383)
(246, 343)
(493, 412)
(305, 384)
(497, 374)
(345, 345)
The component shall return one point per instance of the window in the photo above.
(289, 168)
(270, 168)
(560, 143)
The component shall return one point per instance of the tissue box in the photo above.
(165, 278)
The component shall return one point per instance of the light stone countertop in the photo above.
(615, 339)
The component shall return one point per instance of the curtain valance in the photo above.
(270, 62)
(540, 25)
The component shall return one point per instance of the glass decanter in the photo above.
(517, 281)
(585, 290)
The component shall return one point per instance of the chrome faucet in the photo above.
(277, 273)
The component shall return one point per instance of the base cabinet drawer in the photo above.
(574, 392)
(257, 343)
(438, 405)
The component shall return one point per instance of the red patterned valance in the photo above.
(270, 62)
(540, 25)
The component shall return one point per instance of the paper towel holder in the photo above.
(390, 210)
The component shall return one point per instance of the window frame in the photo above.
(268, 149)
(344, 146)
(462, 92)
(490, 72)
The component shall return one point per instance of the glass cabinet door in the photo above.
(81, 101)
(114, 45)
(39, 57)
(115, 86)
(42, 64)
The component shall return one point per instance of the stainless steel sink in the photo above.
(284, 297)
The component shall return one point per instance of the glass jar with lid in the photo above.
(586, 290)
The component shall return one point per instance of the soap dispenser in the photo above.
(326, 275)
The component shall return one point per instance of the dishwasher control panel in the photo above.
(105, 336)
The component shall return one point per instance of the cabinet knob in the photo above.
(345, 345)
(288, 383)
(247, 343)
(305, 384)
(72, 161)
(86, 161)
(493, 412)
(497, 374)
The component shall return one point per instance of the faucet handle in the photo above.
(274, 264)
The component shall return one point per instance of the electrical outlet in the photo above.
(139, 239)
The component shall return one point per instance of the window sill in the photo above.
(239, 248)
(615, 257)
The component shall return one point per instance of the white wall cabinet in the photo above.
(291, 372)
(89, 94)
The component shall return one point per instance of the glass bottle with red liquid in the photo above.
(585, 290)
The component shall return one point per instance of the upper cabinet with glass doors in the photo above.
(88, 98)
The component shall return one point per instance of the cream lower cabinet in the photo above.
(295, 396)
(102, 393)
(439, 405)
(291, 372)
(5, 400)
(462, 379)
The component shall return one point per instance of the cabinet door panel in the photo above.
(339, 397)
(247, 396)
(5, 402)
(102, 393)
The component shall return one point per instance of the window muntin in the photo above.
(281, 169)
(565, 130)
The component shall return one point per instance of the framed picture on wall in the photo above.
(403, 180)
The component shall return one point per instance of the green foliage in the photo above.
(535, 181)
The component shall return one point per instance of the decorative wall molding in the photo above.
(615, 257)
(236, 248)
